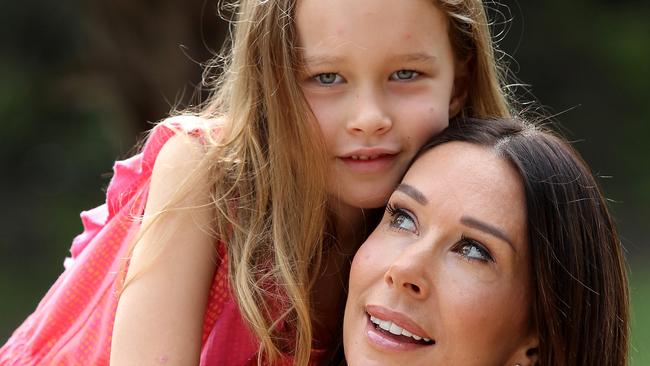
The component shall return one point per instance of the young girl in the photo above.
(496, 249)
(253, 207)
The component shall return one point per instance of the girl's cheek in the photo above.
(329, 108)
(426, 114)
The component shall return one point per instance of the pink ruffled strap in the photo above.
(129, 177)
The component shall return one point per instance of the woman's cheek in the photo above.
(477, 298)
(371, 261)
(473, 273)
(469, 307)
(361, 267)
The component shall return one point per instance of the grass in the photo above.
(640, 295)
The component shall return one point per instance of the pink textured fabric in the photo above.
(73, 323)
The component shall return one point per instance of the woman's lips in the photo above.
(393, 331)
(386, 341)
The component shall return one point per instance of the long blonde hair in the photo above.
(471, 40)
(267, 164)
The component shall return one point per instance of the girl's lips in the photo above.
(369, 152)
(369, 163)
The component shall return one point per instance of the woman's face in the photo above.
(447, 268)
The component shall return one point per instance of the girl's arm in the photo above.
(160, 312)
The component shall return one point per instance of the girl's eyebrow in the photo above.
(422, 57)
(413, 192)
(318, 60)
(487, 228)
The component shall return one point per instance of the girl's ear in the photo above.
(527, 354)
(461, 86)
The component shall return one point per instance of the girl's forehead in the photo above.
(362, 21)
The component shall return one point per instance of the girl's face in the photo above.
(379, 77)
(447, 269)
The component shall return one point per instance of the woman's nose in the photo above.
(370, 115)
(408, 274)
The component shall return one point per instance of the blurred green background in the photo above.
(81, 80)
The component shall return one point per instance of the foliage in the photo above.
(80, 81)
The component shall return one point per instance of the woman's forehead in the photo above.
(461, 179)
(464, 161)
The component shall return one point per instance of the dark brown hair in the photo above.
(580, 303)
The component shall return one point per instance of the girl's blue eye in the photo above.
(328, 78)
(400, 219)
(473, 250)
(402, 75)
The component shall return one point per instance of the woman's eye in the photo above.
(328, 78)
(400, 219)
(402, 75)
(473, 250)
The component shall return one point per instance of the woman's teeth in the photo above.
(396, 329)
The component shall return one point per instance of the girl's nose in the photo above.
(408, 274)
(370, 117)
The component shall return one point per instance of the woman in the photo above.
(496, 249)
(248, 228)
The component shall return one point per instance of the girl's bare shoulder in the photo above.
(181, 174)
(184, 154)
(205, 130)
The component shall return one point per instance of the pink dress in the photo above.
(73, 323)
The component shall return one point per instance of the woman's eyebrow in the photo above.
(413, 193)
(487, 228)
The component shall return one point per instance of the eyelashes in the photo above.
(332, 78)
(400, 219)
(328, 78)
(472, 250)
(404, 75)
